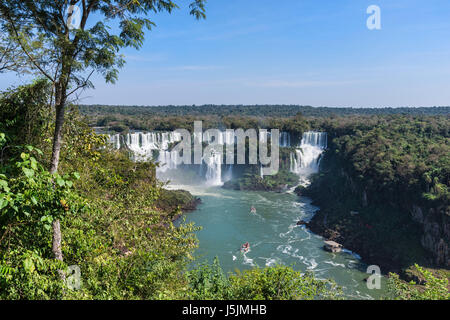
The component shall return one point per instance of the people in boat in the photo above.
(245, 246)
(253, 209)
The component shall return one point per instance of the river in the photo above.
(272, 231)
(273, 235)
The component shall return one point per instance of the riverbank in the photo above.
(280, 182)
(383, 234)
(176, 202)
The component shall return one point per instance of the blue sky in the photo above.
(309, 52)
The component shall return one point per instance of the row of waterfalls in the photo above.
(304, 158)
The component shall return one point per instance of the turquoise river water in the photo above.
(273, 235)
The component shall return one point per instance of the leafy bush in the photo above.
(434, 288)
(30, 199)
(271, 283)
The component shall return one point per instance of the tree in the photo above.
(67, 53)
(10, 58)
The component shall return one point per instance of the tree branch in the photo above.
(33, 61)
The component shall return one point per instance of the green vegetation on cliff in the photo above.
(383, 188)
(279, 182)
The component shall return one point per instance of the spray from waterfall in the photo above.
(306, 158)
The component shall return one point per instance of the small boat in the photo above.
(245, 247)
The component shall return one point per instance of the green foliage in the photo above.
(116, 112)
(271, 283)
(208, 282)
(249, 181)
(383, 167)
(281, 283)
(125, 248)
(30, 192)
(434, 288)
(396, 156)
(10, 57)
(25, 114)
(30, 199)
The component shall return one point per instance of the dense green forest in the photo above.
(68, 201)
(124, 118)
(254, 110)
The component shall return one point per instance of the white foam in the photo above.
(313, 264)
(270, 262)
(335, 264)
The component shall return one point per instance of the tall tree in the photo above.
(66, 41)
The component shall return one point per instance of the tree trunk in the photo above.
(60, 101)
(57, 240)
(57, 247)
(59, 121)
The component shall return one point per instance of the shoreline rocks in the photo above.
(332, 246)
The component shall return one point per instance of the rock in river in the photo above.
(332, 246)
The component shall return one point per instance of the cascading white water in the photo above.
(115, 140)
(225, 137)
(142, 145)
(214, 169)
(306, 158)
(285, 139)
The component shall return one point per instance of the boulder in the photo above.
(332, 246)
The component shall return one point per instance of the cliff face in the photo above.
(436, 231)
(384, 229)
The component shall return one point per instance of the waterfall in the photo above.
(306, 158)
(229, 174)
(225, 137)
(115, 140)
(285, 139)
(214, 169)
(145, 146)
(142, 146)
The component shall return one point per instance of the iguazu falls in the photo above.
(224, 159)
(273, 232)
